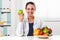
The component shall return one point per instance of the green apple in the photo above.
(20, 12)
(45, 27)
(45, 31)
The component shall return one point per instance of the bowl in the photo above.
(44, 37)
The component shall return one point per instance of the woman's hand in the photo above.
(21, 17)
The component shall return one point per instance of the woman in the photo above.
(26, 26)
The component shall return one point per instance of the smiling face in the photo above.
(30, 8)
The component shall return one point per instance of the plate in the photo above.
(44, 37)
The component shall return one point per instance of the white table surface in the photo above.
(54, 37)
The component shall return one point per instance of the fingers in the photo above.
(21, 17)
(21, 14)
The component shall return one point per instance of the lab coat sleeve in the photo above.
(19, 29)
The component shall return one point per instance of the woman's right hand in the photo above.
(21, 17)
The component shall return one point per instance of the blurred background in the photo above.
(48, 10)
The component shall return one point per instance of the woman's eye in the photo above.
(28, 9)
(32, 9)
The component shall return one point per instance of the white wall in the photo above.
(54, 8)
(13, 18)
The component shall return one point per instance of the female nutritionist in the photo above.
(27, 25)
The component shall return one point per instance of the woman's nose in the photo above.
(30, 10)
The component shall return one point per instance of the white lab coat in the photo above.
(23, 27)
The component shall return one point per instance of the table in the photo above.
(54, 37)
